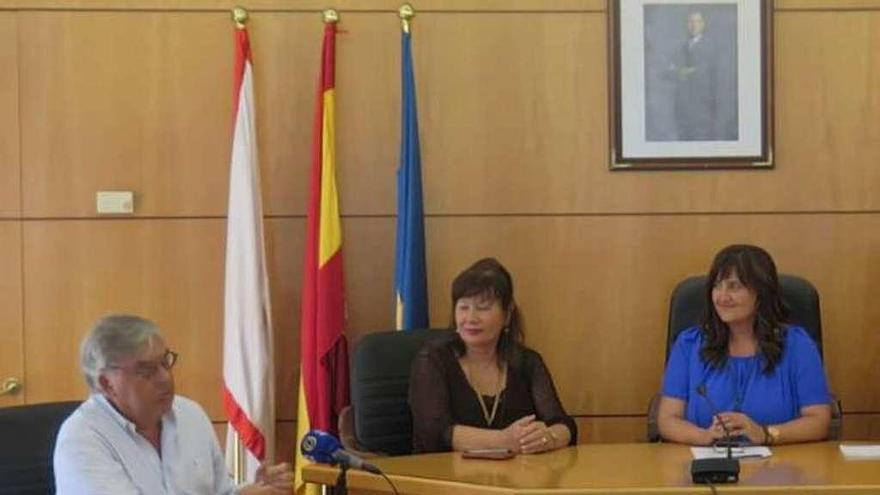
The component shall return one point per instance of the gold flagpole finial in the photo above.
(331, 16)
(406, 12)
(239, 16)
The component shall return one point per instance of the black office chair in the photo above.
(686, 308)
(379, 421)
(28, 441)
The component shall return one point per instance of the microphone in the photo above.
(728, 439)
(724, 470)
(323, 448)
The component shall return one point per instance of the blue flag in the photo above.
(410, 276)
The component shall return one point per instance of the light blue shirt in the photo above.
(99, 452)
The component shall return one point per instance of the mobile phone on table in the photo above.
(494, 454)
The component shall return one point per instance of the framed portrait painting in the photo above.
(690, 84)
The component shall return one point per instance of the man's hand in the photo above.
(271, 480)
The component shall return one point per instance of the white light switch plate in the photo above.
(115, 202)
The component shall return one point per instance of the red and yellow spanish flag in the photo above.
(324, 356)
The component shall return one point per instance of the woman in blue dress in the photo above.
(765, 377)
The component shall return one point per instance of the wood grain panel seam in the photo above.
(472, 215)
(21, 319)
(21, 233)
(18, 123)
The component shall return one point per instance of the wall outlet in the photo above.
(115, 202)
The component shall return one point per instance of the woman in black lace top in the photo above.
(482, 388)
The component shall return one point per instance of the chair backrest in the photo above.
(380, 388)
(28, 441)
(687, 305)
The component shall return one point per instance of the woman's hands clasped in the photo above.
(738, 424)
(527, 435)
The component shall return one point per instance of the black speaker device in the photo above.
(720, 470)
(715, 471)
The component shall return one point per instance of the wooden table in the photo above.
(620, 469)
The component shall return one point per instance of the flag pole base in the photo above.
(341, 487)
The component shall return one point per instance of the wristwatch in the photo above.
(771, 434)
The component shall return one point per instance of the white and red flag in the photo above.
(248, 369)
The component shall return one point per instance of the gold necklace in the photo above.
(489, 417)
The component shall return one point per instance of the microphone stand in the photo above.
(341, 487)
(723, 470)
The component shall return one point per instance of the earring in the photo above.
(506, 329)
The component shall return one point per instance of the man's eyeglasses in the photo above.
(148, 369)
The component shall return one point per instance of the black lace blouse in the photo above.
(440, 397)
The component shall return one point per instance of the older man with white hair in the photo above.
(134, 435)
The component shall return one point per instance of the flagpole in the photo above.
(237, 460)
(239, 17)
(406, 12)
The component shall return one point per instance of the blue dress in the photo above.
(798, 380)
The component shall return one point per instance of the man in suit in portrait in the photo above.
(696, 73)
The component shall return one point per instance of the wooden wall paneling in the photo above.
(368, 111)
(426, 5)
(11, 334)
(391, 5)
(839, 253)
(861, 426)
(287, 50)
(170, 271)
(368, 254)
(519, 102)
(514, 121)
(827, 104)
(285, 441)
(504, 99)
(510, 105)
(125, 100)
(10, 167)
(611, 429)
(285, 239)
(595, 290)
(344, 6)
